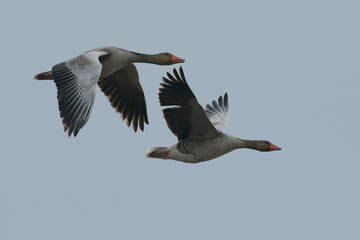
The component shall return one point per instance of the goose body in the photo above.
(200, 132)
(196, 150)
(110, 68)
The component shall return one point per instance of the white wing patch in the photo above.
(76, 81)
(87, 68)
(218, 113)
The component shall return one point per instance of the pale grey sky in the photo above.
(291, 69)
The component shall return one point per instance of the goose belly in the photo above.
(204, 149)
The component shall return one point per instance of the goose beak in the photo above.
(274, 147)
(175, 59)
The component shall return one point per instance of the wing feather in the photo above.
(76, 89)
(126, 96)
(188, 118)
(218, 113)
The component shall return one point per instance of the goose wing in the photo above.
(188, 119)
(218, 113)
(76, 81)
(126, 95)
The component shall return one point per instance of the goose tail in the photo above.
(44, 76)
(157, 152)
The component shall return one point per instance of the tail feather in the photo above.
(157, 152)
(44, 76)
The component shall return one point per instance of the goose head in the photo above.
(167, 58)
(264, 146)
(259, 145)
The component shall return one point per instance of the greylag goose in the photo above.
(200, 132)
(113, 70)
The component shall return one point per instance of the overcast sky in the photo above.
(291, 69)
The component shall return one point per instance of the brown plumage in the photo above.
(110, 68)
(200, 133)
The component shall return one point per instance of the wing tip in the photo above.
(71, 130)
(226, 101)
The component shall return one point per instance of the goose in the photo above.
(110, 68)
(201, 133)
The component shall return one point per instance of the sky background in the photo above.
(291, 69)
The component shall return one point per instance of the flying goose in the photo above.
(200, 132)
(113, 70)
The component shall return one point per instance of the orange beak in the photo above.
(274, 147)
(175, 59)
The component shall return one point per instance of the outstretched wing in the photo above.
(188, 119)
(218, 113)
(76, 89)
(126, 95)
